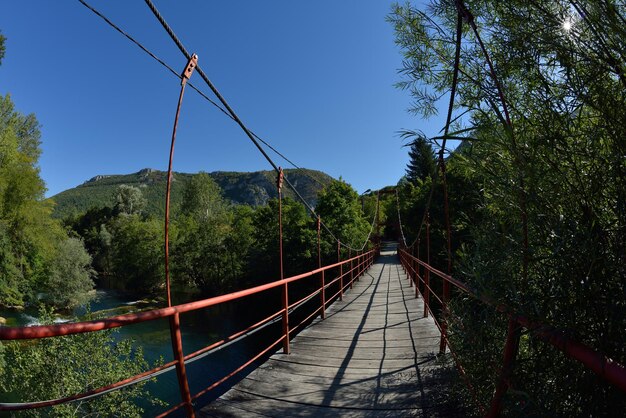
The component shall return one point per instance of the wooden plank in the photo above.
(374, 355)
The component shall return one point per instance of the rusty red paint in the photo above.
(173, 312)
(340, 270)
(174, 320)
(285, 289)
(511, 348)
(605, 367)
(427, 271)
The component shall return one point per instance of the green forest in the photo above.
(215, 247)
(535, 173)
(240, 188)
(55, 262)
(538, 205)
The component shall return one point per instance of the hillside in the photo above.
(254, 188)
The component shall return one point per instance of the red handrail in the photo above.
(607, 368)
(359, 264)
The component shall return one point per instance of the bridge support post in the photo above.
(427, 272)
(364, 262)
(511, 348)
(351, 267)
(174, 321)
(181, 373)
(418, 278)
(411, 274)
(319, 266)
(285, 290)
(285, 303)
(323, 296)
(340, 270)
(414, 265)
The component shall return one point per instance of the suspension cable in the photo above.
(226, 110)
(196, 89)
(373, 221)
(234, 116)
(400, 219)
(206, 79)
(467, 15)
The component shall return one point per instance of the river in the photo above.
(199, 329)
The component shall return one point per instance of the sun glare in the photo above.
(567, 24)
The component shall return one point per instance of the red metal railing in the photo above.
(606, 368)
(348, 271)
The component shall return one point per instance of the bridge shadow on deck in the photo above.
(373, 356)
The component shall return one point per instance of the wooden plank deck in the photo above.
(374, 355)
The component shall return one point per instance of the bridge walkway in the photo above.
(374, 355)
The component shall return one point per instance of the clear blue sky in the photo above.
(315, 79)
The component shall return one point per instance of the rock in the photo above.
(96, 178)
(3, 321)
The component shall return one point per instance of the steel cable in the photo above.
(196, 89)
(253, 136)
(220, 108)
(236, 118)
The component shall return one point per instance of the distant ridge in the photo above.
(252, 188)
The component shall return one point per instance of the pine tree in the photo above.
(422, 161)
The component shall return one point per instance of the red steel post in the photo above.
(511, 349)
(181, 373)
(361, 257)
(340, 270)
(175, 336)
(285, 289)
(417, 269)
(416, 276)
(411, 267)
(446, 285)
(319, 265)
(426, 271)
(361, 264)
(351, 267)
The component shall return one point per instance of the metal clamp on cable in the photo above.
(280, 178)
(191, 65)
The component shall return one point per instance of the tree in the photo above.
(11, 280)
(299, 240)
(137, 251)
(29, 234)
(202, 198)
(340, 209)
(545, 231)
(2, 49)
(69, 281)
(239, 242)
(76, 364)
(129, 200)
(421, 160)
(94, 228)
(199, 253)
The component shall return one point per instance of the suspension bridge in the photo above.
(372, 342)
(372, 353)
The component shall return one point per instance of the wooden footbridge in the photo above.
(365, 342)
(366, 347)
(373, 355)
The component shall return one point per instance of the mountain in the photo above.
(254, 188)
